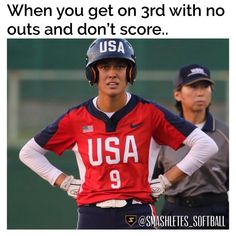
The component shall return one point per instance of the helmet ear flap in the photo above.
(131, 73)
(92, 74)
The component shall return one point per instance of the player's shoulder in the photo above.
(221, 124)
(146, 101)
(78, 107)
(222, 127)
(153, 105)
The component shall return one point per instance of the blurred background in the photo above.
(46, 77)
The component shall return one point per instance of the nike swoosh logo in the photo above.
(136, 125)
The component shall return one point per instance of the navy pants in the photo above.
(131, 216)
(213, 215)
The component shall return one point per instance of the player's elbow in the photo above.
(26, 152)
(212, 147)
(23, 154)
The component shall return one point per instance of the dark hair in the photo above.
(178, 106)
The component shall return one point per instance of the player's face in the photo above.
(195, 97)
(112, 77)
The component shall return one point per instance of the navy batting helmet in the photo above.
(102, 49)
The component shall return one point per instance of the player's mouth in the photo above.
(112, 85)
(200, 102)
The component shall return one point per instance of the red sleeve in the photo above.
(58, 136)
(169, 129)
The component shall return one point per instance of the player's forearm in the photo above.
(175, 175)
(163, 182)
(202, 149)
(32, 155)
(60, 179)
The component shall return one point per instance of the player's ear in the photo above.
(177, 95)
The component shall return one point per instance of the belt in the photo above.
(114, 203)
(199, 200)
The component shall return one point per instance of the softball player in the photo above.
(116, 138)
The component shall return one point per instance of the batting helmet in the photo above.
(102, 49)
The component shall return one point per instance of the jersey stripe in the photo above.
(154, 149)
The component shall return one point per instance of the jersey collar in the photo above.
(111, 123)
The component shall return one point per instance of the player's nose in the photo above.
(200, 90)
(112, 72)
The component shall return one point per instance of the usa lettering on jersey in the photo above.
(111, 46)
(111, 145)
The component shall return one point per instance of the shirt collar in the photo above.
(210, 123)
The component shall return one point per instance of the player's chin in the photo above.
(114, 91)
(199, 108)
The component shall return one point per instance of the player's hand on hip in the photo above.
(71, 186)
(158, 186)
